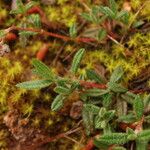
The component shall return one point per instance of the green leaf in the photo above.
(121, 14)
(99, 123)
(73, 31)
(107, 11)
(137, 24)
(113, 5)
(35, 20)
(95, 92)
(119, 148)
(102, 34)
(57, 103)
(77, 60)
(62, 90)
(86, 16)
(117, 74)
(42, 70)
(92, 108)
(27, 33)
(109, 115)
(144, 135)
(92, 75)
(30, 4)
(116, 87)
(20, 8)
(2, 33)
(111, 138)
(130, 118)
(88, 120)
(107, 99)
(138, 107)
(37, 84)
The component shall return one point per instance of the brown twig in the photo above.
(46, 33)
(87, 84)
(52, 139)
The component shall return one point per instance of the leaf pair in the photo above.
(42, 71)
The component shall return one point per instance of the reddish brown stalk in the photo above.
(46, 33)
(87, 84)
(52, 139)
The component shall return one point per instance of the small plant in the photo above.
(98, 98)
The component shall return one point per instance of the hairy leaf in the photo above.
(42, 70)
(107, 11)
(102, 34)
(144, 135)
(95, 92)
(92, 75)
(112, 138)
(73, 31)
(92, 108)
(62, 90)
(57, 103)
(113, 5)
(117, 74)
(37, 84)
(76, 60)
(116, 87)
(138, 106)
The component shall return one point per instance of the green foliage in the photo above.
(113, 138)
(73, 31)
(117, 88)
(57, 103)
(138, 106)
(92, 75)
(42, 70)
(117, 74)
(21, 8)
(34, 84)
(77, 60)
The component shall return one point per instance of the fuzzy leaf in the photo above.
(92, 75)
(62, 90)
(130, 118)
(121, 14)
(119, 148)
(112, 138)
(113, 5)
(92, 108)
(116, 87)
(88, 120)
(95, 92)
(42, 70)
(107, 11)
(86, 16)
(73, 31)
(144, 135)
(102, 34)
(20, 8)
(76, 60)
(37, 84)
(35, 20)
(117, 74)
(107, 99)
(57, 103)
(138, 106)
